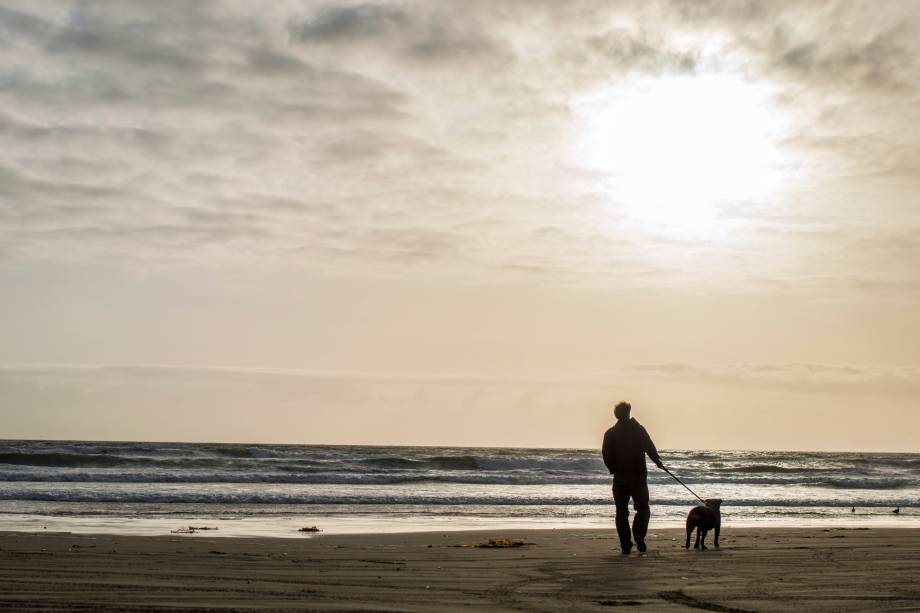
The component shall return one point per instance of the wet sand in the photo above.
(762, 569)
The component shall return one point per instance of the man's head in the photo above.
(621, 411)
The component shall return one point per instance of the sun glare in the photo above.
(675, 151)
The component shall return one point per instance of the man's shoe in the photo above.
(640, 544)
(627, 549)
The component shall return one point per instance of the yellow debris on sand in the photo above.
(192, 529)
(496, 544)
(492, 544)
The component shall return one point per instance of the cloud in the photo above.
(123, 112)
(373, 134)
(102, 43)
(16, 24)
(623, 51)
(419, 33)
(19, 187)
(365, 146)
(884, 62)
(337, 24)
(803, 377)
(14, 126)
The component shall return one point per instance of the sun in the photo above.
(677, 152)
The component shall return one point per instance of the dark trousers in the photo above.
(638, 491)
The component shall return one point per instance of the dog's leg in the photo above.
(696, 545)
(689, 532)
(716, 541)
(703, 539)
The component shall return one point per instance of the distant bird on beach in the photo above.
(852, 509)
(897, 510)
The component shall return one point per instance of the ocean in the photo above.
(272, 490)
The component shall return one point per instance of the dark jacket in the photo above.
(625, 446)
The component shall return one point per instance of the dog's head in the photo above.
(714, 503)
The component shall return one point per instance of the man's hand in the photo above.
(661, 465)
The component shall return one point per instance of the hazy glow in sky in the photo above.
(461, 222)
(675, 148)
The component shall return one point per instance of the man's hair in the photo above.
(621, 411)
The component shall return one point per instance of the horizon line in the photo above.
(403, 446)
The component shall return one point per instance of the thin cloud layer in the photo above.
(866, 380)
(441, 139)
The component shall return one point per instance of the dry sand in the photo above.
(561, 570)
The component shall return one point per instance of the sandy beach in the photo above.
(769, 569)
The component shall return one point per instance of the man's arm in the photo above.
(607, 452)
(651, 450)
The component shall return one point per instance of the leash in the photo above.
(684, 484)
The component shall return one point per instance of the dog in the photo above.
(703, 519)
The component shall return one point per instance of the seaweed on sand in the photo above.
(496, 544)
(192, 529)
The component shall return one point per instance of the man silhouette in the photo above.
(624, 450)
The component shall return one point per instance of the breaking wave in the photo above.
(91, 475)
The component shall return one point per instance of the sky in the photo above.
(461, 223)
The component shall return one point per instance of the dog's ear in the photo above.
(714, 501)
